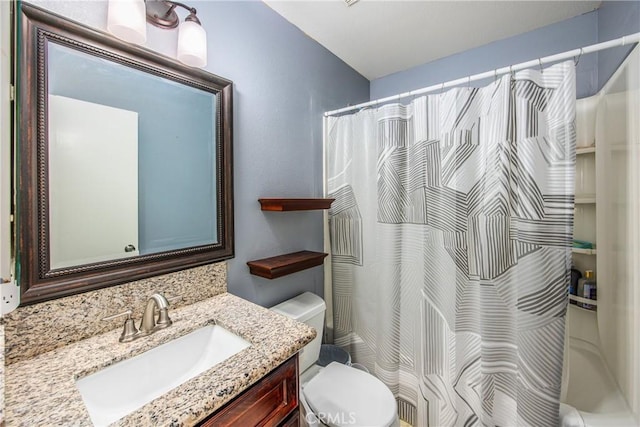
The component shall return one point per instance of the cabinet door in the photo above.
(293, 420)
(267, 403)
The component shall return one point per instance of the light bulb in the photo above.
(192, 44)
(127, 20)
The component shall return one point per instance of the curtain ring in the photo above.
(495, 76)
(540, 64)
(576, 60)
(442, 88)
(413, 95)
(469, 82)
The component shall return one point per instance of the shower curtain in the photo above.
(450, 237)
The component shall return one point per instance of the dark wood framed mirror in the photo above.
(124, 161)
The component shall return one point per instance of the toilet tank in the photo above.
(307, 308)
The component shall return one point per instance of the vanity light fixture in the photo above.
(126, 20)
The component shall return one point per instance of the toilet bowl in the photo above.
(336, 395)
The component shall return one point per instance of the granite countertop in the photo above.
(41, 390)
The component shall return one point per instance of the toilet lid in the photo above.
(344, 396)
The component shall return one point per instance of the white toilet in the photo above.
(336, 395)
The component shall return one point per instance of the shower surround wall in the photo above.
(618, 231)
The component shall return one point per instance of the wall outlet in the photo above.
(9, 297)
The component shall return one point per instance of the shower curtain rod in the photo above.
(624, 40)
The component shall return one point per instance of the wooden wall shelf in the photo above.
(280, 205)
(281, 265)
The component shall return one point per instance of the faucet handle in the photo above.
(129, 330)
(127, 313)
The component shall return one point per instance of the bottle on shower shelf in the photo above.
(587, 289)
(576, 275)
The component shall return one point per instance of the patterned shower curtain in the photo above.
(450, 238)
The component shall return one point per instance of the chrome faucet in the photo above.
(149, 324)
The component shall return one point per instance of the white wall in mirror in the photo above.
(93, 182)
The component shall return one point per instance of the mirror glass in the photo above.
(124, 161)
(131, 161)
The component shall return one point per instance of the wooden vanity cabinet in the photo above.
(272, 401)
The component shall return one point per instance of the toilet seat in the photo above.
(340, 395)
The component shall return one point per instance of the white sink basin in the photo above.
(122, 388)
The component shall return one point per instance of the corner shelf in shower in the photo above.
(586, 150)
(281, 205)
(575, 300)
(585, 199)
(583, 251)
(583, 300)
(282, 265)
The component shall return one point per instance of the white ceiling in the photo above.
(378, 38)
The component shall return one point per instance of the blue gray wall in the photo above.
(615, 19)
(283, 82)
(612, 20)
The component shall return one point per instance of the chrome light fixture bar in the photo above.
(163, 14)
(127, 21)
